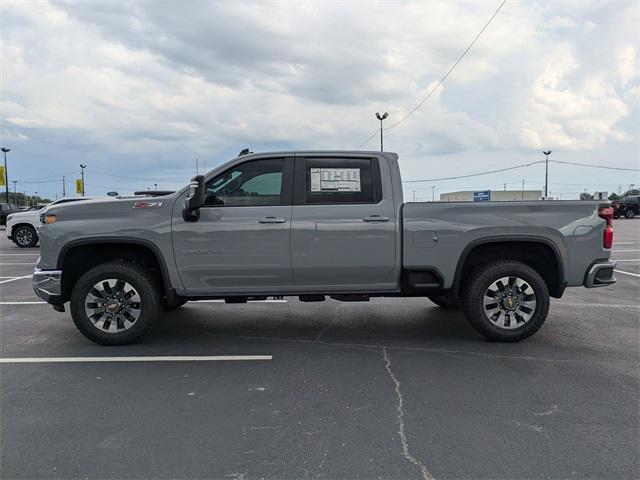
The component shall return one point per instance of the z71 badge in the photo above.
(147, 205)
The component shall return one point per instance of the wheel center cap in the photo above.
(112, 306)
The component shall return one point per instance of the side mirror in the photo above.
(194, 200)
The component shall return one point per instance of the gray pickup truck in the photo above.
(312, 225)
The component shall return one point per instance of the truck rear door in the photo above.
(344, 224)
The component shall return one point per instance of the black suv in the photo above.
(631, 206)
(5, 210)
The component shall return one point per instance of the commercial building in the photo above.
(493, 195)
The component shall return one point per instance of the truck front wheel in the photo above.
(115, 303)
(505, 301)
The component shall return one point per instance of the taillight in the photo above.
(607, 214)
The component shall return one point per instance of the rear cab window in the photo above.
(337, 181)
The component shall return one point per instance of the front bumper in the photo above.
(600, 275)
(47, 284)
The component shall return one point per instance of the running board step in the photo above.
(351, 297)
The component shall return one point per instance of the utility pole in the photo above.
(433, 193)
(381, 118)
(6, 172)
(523, 189)
(546, 172)
(196, 165)
(82, 167)
(64, 191)
(15, 195)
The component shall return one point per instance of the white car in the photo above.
(22, 227)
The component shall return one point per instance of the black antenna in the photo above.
(244, 151)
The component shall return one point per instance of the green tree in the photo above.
(586, 196)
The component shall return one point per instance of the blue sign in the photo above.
(482, 196)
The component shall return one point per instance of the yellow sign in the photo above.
(79, 185)
(3, 177)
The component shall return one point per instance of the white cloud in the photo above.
(154, 81)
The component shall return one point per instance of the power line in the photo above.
(597, 166)
(474, 174)
(415, 109)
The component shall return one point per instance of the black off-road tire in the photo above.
(142, 281)
(478, 282)
(446, 300)
(24, 236)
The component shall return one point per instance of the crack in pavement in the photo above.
(401, 414)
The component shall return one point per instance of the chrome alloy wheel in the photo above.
(24, 236)
(113, 305)
(509, 302)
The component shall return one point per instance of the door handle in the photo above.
(376, 218)
(272, 220)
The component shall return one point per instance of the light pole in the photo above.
(15, 195)
(6, 172)
(546, 172)
(64, 190)
(82, 167)
(433, 193)
(381, 118)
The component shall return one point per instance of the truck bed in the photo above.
(439, 235)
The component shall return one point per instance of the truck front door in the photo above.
(242, 238)
(344, 224)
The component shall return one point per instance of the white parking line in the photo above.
(633, 260)
(194, 301)
(632, 250)
(219, 300)
(21, 254)
(627, 273)
(211, 358)
(624, 243)
(24, 263)
(22, 303)
(15, 278)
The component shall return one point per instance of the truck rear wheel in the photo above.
(445, 300)
(24, 236)
(115, 303)
(505, 301)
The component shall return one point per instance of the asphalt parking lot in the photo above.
(393, 388)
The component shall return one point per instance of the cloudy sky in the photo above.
(136, 91)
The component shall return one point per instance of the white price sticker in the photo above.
(335, 179)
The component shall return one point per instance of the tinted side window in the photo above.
(340, 180)
(254, 183)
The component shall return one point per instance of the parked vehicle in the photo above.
(312, 225)
(618, 208)
(22, 226)
(7, 209)
(631, 206)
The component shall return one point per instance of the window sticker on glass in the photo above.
(335, 179)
